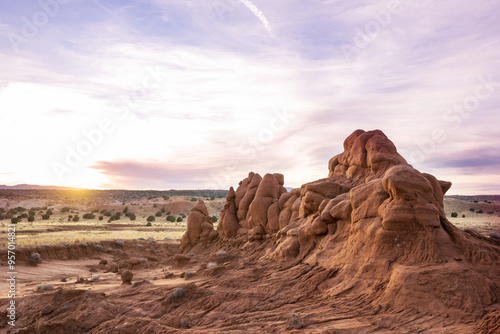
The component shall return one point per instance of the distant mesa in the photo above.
(375, 220)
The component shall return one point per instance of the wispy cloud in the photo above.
(223, 78)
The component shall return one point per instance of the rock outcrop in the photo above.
(253, 209)
(379, 223)
(200, 228)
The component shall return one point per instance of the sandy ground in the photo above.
(230, 291)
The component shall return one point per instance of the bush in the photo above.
(2, 217)
(148, 224)
(151, 219)
(49, 212)
(463, 216)
(166, 197)
(472, 209)
(76, 218)
(171, 219)
(158, 214)
(155, 205)
(479, 211)
(65, 209)
(101, 217)
(89, 216)
(114, 217)
(163, 210)
(15, 220)
(215, 219)
(107, 214)
(132, 216)
(179, 219)
(194, 199)
(45, 217)
(454, 214)
(178, 294)
(35, 259)
(24, 215)
(212, 198)
(103, 211)
(168, 213)
(31, 219)
(125, 210)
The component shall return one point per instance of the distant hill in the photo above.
(34, 187)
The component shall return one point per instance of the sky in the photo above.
(191, 94)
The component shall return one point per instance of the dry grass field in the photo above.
(62, 227)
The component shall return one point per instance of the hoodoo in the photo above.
(378, 223)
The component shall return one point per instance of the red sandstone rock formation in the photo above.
(200, 227)
(254, 208)
(376, 220)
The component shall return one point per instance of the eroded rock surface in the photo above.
(378, 222)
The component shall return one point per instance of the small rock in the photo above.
(47, 310)
(169, 275)
(127, 277)
(103, 262)
(181, 258)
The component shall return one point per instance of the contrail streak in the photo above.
(259, 15)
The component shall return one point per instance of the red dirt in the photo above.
(366, 250)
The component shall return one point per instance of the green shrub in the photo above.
(132, 216)
(65, 209)
(149, 223)
(76, 218)
(31, 219)
(194, 199)
(463, 216)
(24, 215)
(158, 214)
(101, 217)
(151, 219)
(472, 209)
(125, 210)
(114, 217)
(107, 214)
(15, 220)
(212, 198)
(45, 217)
(454, 214)
(103, 211)
(49, 212)
(155, 205)
(168, 213)
(163, 210)
(179, 219)
(479, 211)
(88, 216)
(171, 219)
(2, 217)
